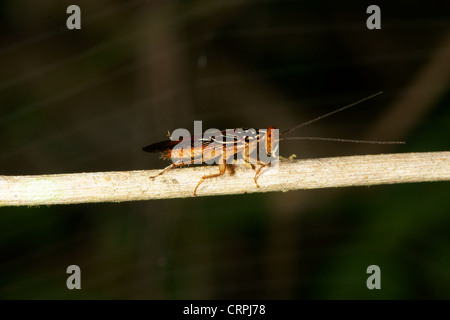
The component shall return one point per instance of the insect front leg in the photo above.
(259, 173)
(222, 170)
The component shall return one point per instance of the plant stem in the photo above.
(119, 186)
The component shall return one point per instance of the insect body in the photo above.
(225, 146)
(222, 149)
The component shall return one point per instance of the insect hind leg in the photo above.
(173, 165)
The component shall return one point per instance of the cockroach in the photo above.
(225, 147)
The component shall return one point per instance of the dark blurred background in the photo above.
(90, 99)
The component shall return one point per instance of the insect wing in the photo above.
(162, 146)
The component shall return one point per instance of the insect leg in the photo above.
(222, 170)
(173, 165)
(259, 173)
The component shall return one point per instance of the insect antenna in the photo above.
(342, 140)
(332, 112)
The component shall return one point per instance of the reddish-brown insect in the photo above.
(224, 147)
(220, 149)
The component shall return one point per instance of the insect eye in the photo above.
(269, 132)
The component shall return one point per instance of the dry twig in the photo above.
(180, 183)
